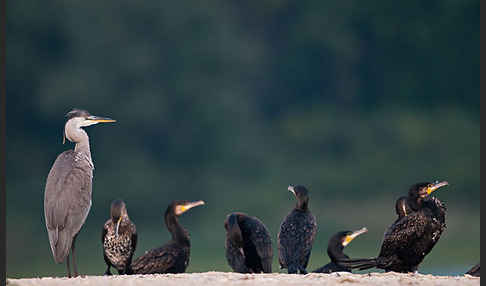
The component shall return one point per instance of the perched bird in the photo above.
(402, 207)
(475, 270)
(173, 257)
(67, 197)
(297, 233)
(248, 244)
(335, 248)
(410, 238)
(119, 239)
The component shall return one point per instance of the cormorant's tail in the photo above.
(292, 269)
(267, 265)
(360, 263)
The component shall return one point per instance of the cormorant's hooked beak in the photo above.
(180, 209)
(99, 119)
(291, 189)
(118, 226)
(353, 235)
(436, 186)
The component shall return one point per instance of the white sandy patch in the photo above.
(276, 279)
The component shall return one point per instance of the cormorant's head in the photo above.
(118, 211)
(301, 194)
(78, 118)
(233, 231)
(340, 240)
(418, 192)
(180, 207)
(422, 190)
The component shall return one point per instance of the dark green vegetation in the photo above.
(230, 103)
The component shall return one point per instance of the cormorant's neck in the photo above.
(414, 203)
(302, 206)
(336, 253)
(234, 231)
(179, 234)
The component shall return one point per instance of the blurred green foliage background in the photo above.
(232, 101)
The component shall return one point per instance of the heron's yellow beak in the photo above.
(353, 235)
(99, 119)
(436, 186)
(180, 209)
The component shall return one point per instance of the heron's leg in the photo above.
(68, 268)
(74, 261)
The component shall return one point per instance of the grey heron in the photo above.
(67, 197)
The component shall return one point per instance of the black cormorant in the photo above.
(475, 270)
(119, 239)
(335, 251)
(248, 244)
(173, 257)
(410, 238)
(297, 233)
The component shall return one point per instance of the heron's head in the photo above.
(301, 194)
(118, 211)
(78, 118)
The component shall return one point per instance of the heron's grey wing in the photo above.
(67, 201)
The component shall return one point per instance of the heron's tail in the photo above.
(60, 244)
(360, 263)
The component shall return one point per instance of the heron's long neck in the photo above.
(77, 135)
(83, 145)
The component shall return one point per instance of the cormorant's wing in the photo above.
(263, 244)
(235, 258)
(295, 239)
(158, 260)
(134, 238)
(403, 233)
(104, 231)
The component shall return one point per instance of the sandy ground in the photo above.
(277, 279)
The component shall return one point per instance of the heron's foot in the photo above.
(303, 271)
